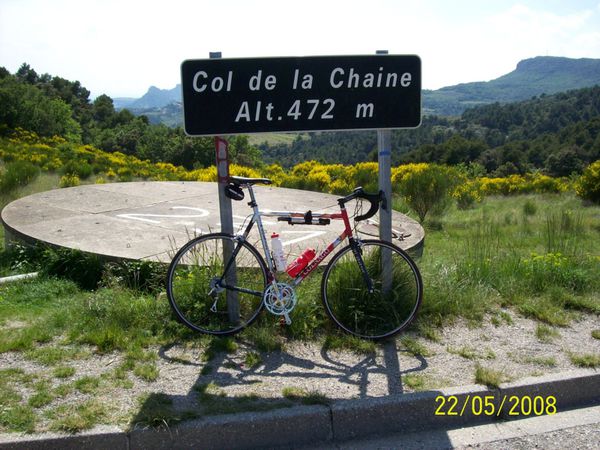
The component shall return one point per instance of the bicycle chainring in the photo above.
(280, 299)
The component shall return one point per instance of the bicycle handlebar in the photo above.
(373, 199)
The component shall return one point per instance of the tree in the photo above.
(26, 74)
(564, 162)
(103, 111)
(25, 106)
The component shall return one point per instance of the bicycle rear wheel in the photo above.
(395, 298)
(215, 284)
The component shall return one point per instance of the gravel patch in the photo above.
(309, 371)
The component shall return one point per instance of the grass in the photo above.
(147, 372)
(591, 360)
(545, 267)
(42, 396)
(472, 353)
(87, 384)
(489, 377)
(19, 418)
(502, 317)
(546, 361)
(214, 401)
(416, 382)
(414, 347)
(274, 138)
(544, 333)
(74, 418)
(303, 396)
(156, 410)
(252, 360)
(339, 341)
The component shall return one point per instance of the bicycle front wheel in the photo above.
(391, 303)
(215, 284)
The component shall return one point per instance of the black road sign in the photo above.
(256, 95)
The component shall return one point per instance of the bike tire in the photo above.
(382, 313)
(197, 282)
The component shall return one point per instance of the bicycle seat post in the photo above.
(261, 231)
(252, 203)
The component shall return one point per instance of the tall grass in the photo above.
(564, 232)
(544, 264)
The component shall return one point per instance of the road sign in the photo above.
(256, 95)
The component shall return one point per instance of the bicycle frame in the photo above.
(347, 233)
(218, 283)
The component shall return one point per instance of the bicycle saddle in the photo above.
(251, 181)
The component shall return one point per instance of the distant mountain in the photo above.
(157, 98)
(123, 102)
(532, 77)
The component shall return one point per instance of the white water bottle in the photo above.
(278, 255)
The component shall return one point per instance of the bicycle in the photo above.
(218, 283)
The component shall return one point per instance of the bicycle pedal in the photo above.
(282, 322)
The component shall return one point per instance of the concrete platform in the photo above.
(151, 220)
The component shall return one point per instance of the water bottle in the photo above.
(301, 262)
(278, 255)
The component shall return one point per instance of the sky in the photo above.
(122, 47)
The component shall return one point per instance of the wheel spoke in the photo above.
(374, 313)
(212, 291)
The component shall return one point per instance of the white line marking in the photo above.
(142, 216)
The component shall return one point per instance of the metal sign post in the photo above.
(222, 159)
(226, 215)
(384, 159)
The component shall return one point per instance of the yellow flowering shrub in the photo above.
(53, 154)
(398, 173)
(467, 193)
(206, 174)
(523, 184)
(588, 185)
(303, 169)
(275, 173)
(242, 171)
(69, 180)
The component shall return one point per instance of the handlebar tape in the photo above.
(373, 199)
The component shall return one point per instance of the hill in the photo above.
(532, 77)
(157, 98)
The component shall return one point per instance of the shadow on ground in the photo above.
(225, 385)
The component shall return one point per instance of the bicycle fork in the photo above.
(357, 251)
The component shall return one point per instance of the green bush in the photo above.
(84, 269)
(80, 169)
(588, 185)
(429, 189)
(144, 276)
(18, 173)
